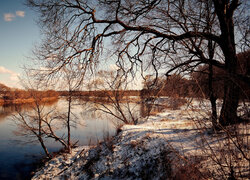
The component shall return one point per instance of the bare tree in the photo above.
(113, 99)
(32, 124)
(39, 122)
(71, 81)
(164, 34)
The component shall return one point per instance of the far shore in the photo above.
(19, 101)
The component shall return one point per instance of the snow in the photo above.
(160, 147)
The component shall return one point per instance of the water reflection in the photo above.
(8, 109)
(19, 153)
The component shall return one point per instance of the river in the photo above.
(19, 154)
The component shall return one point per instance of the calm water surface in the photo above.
(18, 154)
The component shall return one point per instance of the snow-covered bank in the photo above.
(169, 145)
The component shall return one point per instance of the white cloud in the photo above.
(9, 17)
(4, 70)
(11, 78)
(14, 77)
(20, 13)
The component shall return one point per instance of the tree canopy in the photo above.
(164, 36)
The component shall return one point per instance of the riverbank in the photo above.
(175, 144)
(20, 101)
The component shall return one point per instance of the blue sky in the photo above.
(18, 34)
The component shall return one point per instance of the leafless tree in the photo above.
(226, 151)
(39, 122)
(172, 35)
(71, 82)
(30, 125)
(113, 100)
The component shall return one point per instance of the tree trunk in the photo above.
(225, 11)
(68, 122)
(230, 103)
(212, 97)
(210, 84)
(228, 113)
(44, 147)
(214, 112)
(40, 131)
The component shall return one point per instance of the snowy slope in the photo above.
(169, 145)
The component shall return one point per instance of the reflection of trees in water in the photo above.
(44, 121)
(142, 106)
(9, 109)
(124, 112)
(4, 112)
(29, 117)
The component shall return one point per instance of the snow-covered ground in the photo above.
(173, 144)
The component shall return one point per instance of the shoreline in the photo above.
(26, 101)
(165, 145)
(127, 154)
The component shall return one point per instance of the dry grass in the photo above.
(176, 103)
(1, 102)
(164, 119)
(26, 101)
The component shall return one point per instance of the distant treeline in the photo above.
(173, 86)
(177, 86)
(18, 96)
(197, 85)
(101, 93)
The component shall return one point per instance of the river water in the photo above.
(19, 154)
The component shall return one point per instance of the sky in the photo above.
(18, 34)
